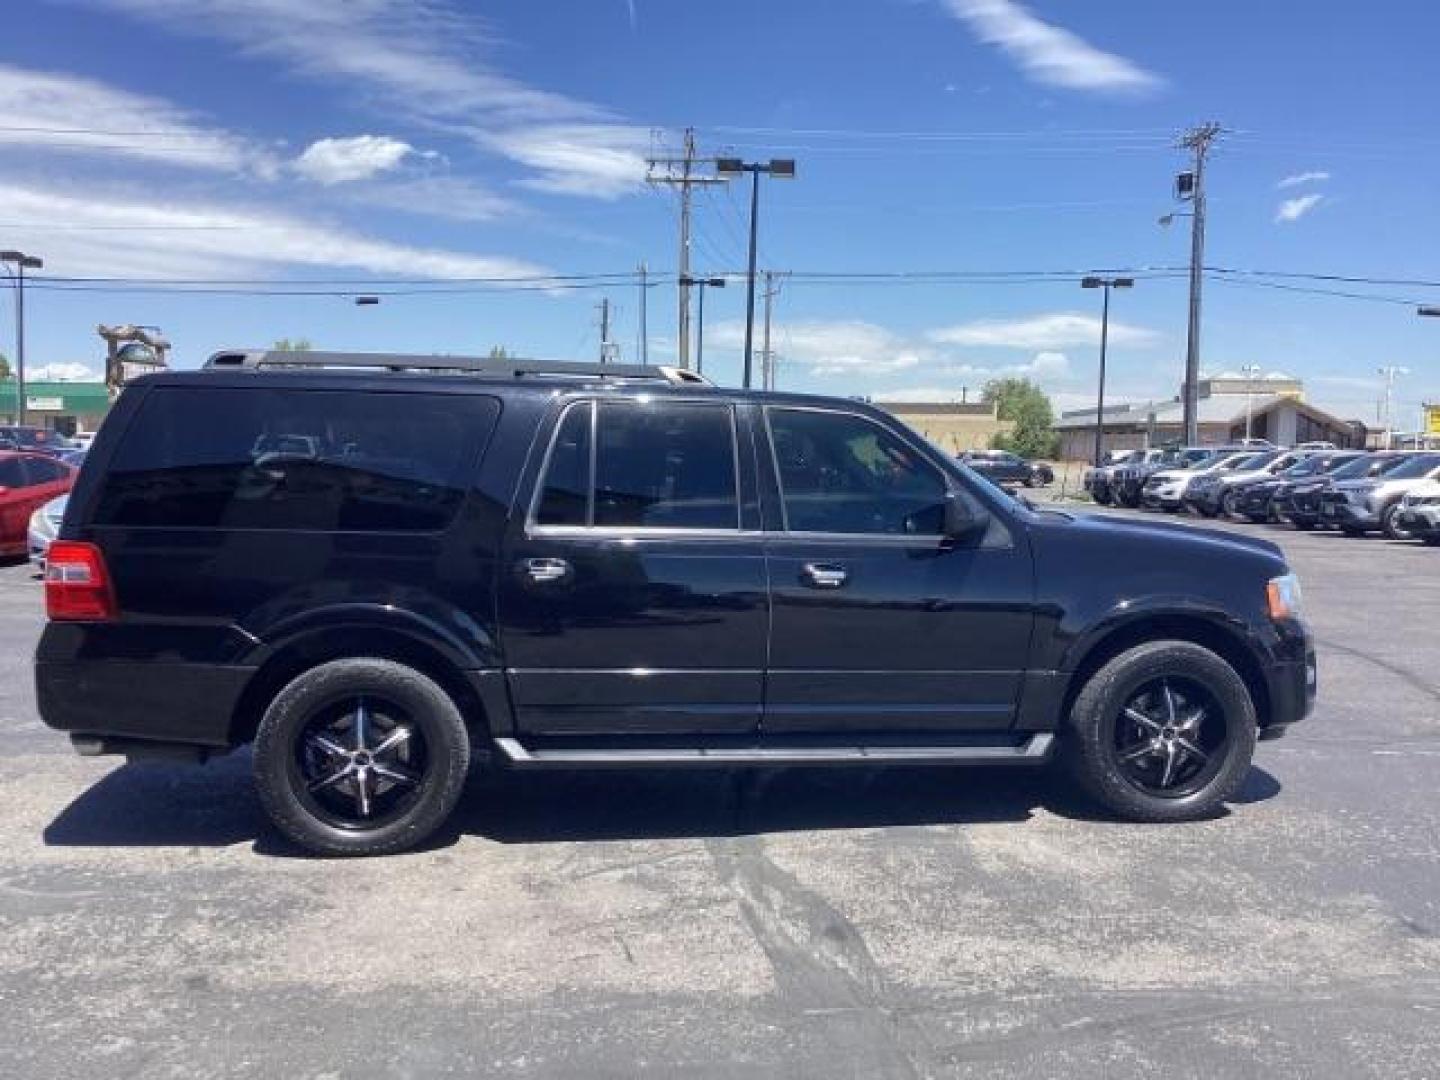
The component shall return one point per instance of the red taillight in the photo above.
(77, 585)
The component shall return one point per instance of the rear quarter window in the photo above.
(319, 460)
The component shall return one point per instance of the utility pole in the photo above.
(1107, 284)
(642, 347)
(1192, 185)
(22, 263)
(685, 180)
(767, 364)
(1252, 372)
(604, 330)
(776, 169)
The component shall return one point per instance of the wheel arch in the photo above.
(1221, 639)
(322, 644)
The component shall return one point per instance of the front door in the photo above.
(633, 596)
(880, 623)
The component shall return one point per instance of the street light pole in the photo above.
(702, 284)
(1107, 284)
(22, 263)
(779, 169)
(1252, 372)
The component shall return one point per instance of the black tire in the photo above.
(1101, 496)
(1390, 524)
(1101, 733)
(1352, 531)
(1431, 539)
(1205, 511)
(1302, 524)
(1131, 502)
(313, 795)
(1230, 505)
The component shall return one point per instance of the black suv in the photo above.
(378, 568)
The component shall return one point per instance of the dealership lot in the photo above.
(921, 922)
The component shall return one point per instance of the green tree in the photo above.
(4, 367)
(298, 345)
(1025, 403)
(499, 352)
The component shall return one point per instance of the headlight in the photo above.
(1283, 598)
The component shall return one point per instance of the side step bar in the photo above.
(1034, 750)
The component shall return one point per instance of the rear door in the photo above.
(633, 595)
(14, 500)
(880, 623)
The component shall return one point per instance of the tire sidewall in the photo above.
(1098, 707)
(428, 707)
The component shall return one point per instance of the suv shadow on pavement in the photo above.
(157, 805)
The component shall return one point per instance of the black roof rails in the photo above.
(255, 359)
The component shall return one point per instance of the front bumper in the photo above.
(1291, 681)
(1345, 514)
(1424, 520)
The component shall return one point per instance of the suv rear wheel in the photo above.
(1163, 732)
(1390, 524)
(361, 757)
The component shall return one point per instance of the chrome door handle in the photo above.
(543, 571)
(825, 575)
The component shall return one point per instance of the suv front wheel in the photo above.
(361, 757)
(1163, 732)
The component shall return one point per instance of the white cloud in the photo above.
(62, 373)
(600, 160)
(70, 114)
(131, 234)
(847, 346)
(339, 161)
(1316, 176)
(430, 61)
(1054, 330)
(1050, 54)
(1296, 208)
(452, 197)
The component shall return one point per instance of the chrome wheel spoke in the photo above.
(1135, 753)
(362, 790)
(362, 725)
(1170, 707)
(1191, 723)
(1170, 757)
(327, 745)
(344, 773)
(1189, 748)
(396, 773)
(391, 741)
(1145, 721)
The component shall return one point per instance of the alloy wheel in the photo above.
(1170, 738)
(361, 762)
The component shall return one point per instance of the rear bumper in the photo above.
(170, 703)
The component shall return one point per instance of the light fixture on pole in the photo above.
(1428, 311)
(1107, 284)
(366, 301)
(1390, 372)
(779, 169)
(703, 284)
(22, 263)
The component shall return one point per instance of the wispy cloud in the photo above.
(1049, 331)
(130, 234)
(63, 373)
(1296, 208)
(1050, 54)
(823, 347)
(452, 197)
(338, 161)
(430, 61)
(1315, 176)
(70, 114)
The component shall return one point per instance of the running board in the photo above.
(1034, 750)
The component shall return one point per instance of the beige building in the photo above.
(954, 426)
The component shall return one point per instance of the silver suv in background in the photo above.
(1360, 506)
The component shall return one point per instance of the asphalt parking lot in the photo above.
(907, 923)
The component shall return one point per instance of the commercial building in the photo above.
(955, 426)
(1274, 404)
(66, 407)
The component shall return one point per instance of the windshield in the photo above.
(1307, 467)
(1414, 467)
(1365, 465)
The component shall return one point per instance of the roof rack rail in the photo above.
(255, 359)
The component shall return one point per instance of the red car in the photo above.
(27, 482)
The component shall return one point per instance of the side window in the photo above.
(666, 465)
(298, 460)
(565, 497)
(43, 470)
(12, 473)
(841, 473)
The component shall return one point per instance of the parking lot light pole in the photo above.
(22, 263)
(703, 283)
(779, 169)
(1107, 284)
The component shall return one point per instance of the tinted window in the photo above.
(44, 471)
(841, 473)
(666, 465)
(269, 459)
(12, 475)
(1415, 467)
(564, 500)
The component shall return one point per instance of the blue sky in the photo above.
(299, 140)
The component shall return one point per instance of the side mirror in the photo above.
(961, 520)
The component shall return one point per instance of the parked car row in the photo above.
(1396, 493)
